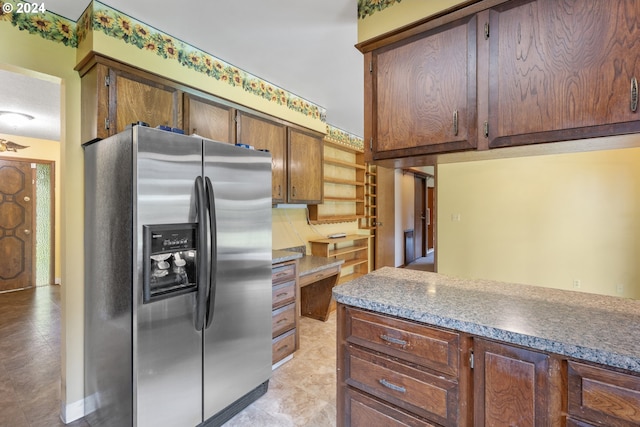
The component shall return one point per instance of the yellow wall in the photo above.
(544, 220)
(54, 59)
(40, 149)
(400, 14)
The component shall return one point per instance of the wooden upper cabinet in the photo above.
(265, 134)
(209, 119)
(306, 171)
(115, 95)
(423, 93)
(134, 98)
(562, 70)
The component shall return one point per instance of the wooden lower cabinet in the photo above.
(602, 397)
(285, 306)
(395, 372)
(515, 387)
(393, 369)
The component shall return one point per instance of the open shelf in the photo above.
(342, 163)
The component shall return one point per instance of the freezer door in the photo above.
(167, 363)
(237, 353)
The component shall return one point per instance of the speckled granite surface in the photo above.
(584, 326)
(278, 256)
(310, 264)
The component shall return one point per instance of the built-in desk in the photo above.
(317, 277)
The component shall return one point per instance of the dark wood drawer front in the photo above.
(283, 319)
(283, 294)
(433, 348)
(603, 397)
(283, 346)
(283, 273)
(363, 411)
(414, 390)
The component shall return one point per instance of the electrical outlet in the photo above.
(620, 288)
(576, 283)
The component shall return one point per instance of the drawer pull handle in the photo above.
(282, 294)
(281, 320)
(393, 340)
(284, 273)
(393, 387)
(284, 347)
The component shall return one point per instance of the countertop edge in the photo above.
(566, 349)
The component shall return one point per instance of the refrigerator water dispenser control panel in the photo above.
(169, 254)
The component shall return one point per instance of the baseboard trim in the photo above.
(71, 412)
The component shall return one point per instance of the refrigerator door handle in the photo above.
(203, 256)
(211, 203)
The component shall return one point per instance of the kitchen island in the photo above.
(426, 348)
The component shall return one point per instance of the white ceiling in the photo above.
(303, 46)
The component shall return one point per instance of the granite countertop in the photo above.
(590, 327)
(278, 256)
(309, 264)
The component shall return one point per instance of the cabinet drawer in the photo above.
(283, 273)
(283, 346)
(430, 347)
(411, 389)
(283, 294)
(602, 396)
(319, 275)
(283, 319)
(363, 411)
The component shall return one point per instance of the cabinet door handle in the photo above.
(391, 386)
(279, 190)
(455, 122)
(634, 94)
(393, 340)
(293, 191)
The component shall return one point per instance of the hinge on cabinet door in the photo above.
(471, 359)
(107, 80)
(106, 124)
(486, 129)
(486, 30)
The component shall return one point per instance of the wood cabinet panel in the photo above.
(429, 347)
(305, 167)
(603, 397)
(363, 411)
(209, 119)
(283, 345)
(424, 93)
(267, 135)
(283, 294)
(514, 386)
(133, 98)
(283, 319)
(562, 70)
(414, 390)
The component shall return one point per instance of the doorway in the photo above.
(26, 223)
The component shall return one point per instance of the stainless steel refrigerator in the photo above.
(177, 279)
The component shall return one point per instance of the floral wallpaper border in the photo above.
(367, 8)
(342, 137)
(47, 25)
(100, 17)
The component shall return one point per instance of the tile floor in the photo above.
(302, 392)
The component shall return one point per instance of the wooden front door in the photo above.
(16, 225)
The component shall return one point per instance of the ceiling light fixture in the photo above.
(13, 118)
